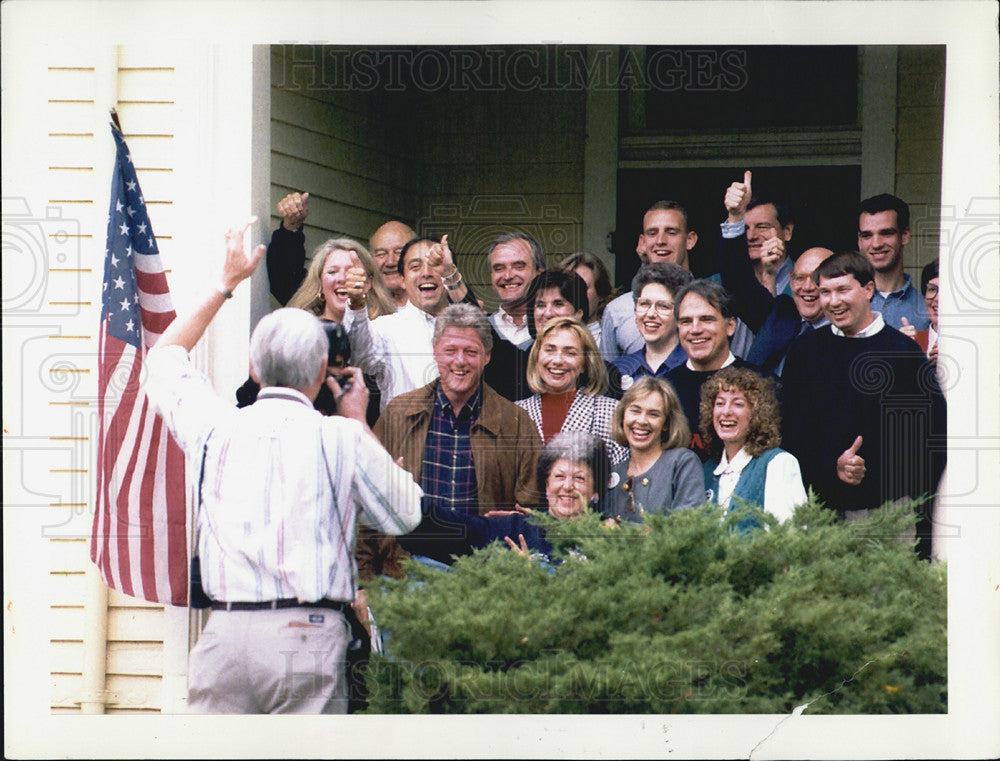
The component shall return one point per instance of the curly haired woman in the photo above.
(740, 424)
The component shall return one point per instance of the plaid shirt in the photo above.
(448, 476)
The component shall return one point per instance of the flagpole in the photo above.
(94, 697)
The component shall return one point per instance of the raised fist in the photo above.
(293, 208)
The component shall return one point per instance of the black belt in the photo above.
(290, 602)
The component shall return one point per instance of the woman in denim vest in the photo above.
(740, 424)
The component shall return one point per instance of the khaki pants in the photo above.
(270, 661)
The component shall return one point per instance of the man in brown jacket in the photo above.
(466, 446)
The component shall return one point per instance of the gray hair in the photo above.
(463, 315)
(537, 253)
(579, 447)
(287, 349)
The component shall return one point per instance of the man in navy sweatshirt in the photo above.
(862, 408)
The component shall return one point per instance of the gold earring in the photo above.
(319, 296)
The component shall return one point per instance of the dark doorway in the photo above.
(823, 199)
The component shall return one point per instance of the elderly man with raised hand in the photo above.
(468, 447)
(280, 490)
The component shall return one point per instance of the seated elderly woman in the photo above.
(661, 474)
(740, 424)
(567, 374)
(572, 471)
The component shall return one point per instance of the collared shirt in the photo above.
(634, 366)
(620, 336)
(396, 348)
(280, 486)
(907, 302)
(783, 488)
(448, 473)
(876, 325)
(510, 330)
(729, 360)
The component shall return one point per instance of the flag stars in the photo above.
(125, 304)
(130, 326)
(130, 184)
(128, 156)
(131, 211)
(118, 205)
(142, 228)
(142, 200)
(124, 229)
(114, 260)
(119, 283)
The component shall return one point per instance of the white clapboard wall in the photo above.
(78, 151)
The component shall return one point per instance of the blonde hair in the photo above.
(593, 378)
(675, 433)
(309, 295)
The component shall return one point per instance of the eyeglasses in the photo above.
(663, 308)
(931, 292)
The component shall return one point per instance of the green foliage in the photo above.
(681, 615)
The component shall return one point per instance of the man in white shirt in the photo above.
(514, 259)
(397, 348)
(280, 488)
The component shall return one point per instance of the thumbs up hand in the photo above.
(851, 467)
(738, 198)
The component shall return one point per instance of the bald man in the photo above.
(386, 244)
(791, 316)
(286, 254)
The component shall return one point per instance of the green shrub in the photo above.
(680, 615)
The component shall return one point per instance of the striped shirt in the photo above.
(448, 474)
(281, 487)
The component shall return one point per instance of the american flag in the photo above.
(138, 539)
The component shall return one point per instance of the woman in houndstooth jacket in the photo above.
(567, 374)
